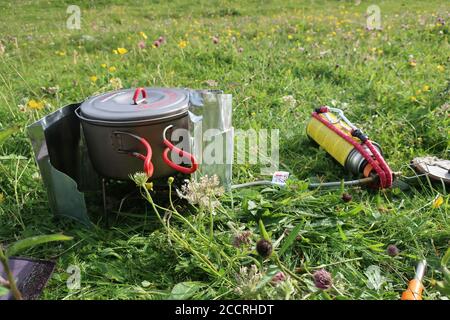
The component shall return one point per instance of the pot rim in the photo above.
(128, 123)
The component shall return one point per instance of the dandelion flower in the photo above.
(426, 88)
(103, 65)
(437, 202)
(182, 44)
(122, 51)
(440, 68)
(60, 53)
(35, 105)
(112, 69)
(413, 99)
(143, 35)
(93, 78)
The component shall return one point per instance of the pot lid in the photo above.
(136, 104)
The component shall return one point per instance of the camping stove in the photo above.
(71, 171)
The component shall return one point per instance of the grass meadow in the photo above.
(279, 60)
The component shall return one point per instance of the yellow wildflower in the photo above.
(121, 50)
(93, 78)
(103, 65)
(412, 63)
(440, 68)
(35, 105)
(290, 36)
(426, 88)
(413, 99)
(182, 44)
(437, 202)
(115, 51)
(143, 35)
(112, 69)
(60, 53)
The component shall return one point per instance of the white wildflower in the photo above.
(247, 281)
(203, 193)
(289, 100)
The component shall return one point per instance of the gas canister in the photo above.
(348, 145)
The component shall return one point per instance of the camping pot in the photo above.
(125, 132)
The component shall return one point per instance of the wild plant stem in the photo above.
(179, 239)
(12, 282)
(179, 216)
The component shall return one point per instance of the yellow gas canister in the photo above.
(335, 145)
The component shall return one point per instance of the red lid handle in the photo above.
(137, 93)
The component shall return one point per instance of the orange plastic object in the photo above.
(414, 291)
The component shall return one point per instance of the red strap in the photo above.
(383, 172)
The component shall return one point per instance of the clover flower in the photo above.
(141, 44)
(278, 278)
(247, 281)
(322, 279)
(347, 197)
(242, 238)
(289, 100)
(392, 250)
(264, 248)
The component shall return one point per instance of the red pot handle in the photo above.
(184, 154)
(148, 165)
(139, 91)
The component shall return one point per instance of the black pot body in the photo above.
(106, 147)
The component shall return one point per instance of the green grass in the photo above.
(317, 51)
